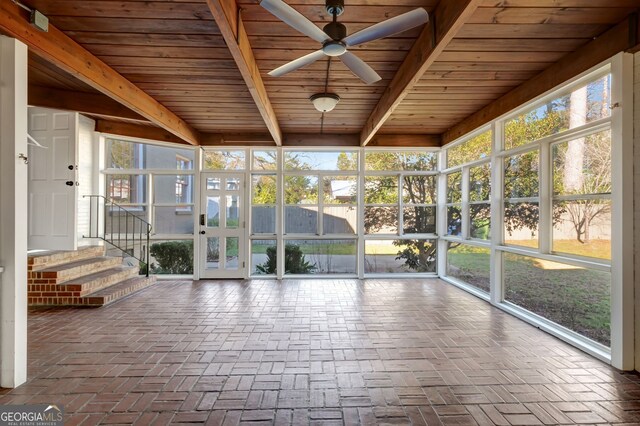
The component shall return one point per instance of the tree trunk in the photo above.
(574, 157)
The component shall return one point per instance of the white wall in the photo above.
(13, 206)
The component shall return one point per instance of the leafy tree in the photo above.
(264, 190)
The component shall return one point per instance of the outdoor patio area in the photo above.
(313, 351)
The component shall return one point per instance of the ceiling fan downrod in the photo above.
(334, 7)
(334, 29)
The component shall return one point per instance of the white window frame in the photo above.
(621, 354)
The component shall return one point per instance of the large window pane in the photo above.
(265, 160)
(454, 187)
(583, 105)
(224, 160)
(173, 189)
(399, 256)
(320, 257)
(409, 161)
(419, 189)
(301, 189)
(419, 220)
(173, 220)
(129, 155)
(480, 221)
(340, 220)
(301, 219)
(127, 189)
(521, 175)
(454, 220)
(171, 257)
(469, 264)
(119, 222)
(264, 256)
(480, 183)
(264, 189)
(381, 220)
(340, 189)
(576, 298)
(471, 150)
(381, 189)
(521, 224)
(583, 166)
(582, 227)
(321, 160)
(263, 220)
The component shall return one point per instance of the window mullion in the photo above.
(464, 208)
(545, 225)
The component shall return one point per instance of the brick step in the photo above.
(95, 282)
(71, 271)
(80, 286)
(49, 259)
(118, 291)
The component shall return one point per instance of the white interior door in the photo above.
(222, 226)
(53, 193)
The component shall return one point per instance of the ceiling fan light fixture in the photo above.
(334, 48)
(325, 102)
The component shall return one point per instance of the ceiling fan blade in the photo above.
(387, 28)
(360, 68)
(295, 19)
(298, 63)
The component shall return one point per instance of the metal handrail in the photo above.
(122, 241)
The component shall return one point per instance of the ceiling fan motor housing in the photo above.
(335, 30)
(334, 7)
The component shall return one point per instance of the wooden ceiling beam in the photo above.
(622, 37)
(57, 48)
(82, 102)
(220, 140)
(227, 15)
(141, 131)
(406, 141)
(444, 23)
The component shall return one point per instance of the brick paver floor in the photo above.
(313, 352)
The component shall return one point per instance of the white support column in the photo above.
(622, 279)
(13, 209)
(636, 196)
(361, 198)
(441, 215)
(497, 214)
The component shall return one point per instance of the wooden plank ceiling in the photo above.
(502, 45)
(174, 51)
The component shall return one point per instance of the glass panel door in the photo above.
(222, 226)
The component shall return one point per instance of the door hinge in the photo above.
(243, 265)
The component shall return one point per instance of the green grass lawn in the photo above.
(576, 298)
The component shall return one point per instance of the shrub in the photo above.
(173, 257)
(294, 261)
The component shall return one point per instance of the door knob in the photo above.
(69, 183)
(203, 232)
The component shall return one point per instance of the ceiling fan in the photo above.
(334, 39)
